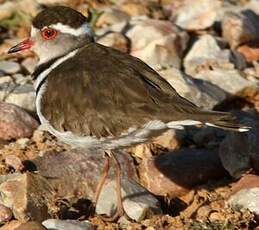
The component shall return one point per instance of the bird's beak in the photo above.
(24, 45)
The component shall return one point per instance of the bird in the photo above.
(98, 98)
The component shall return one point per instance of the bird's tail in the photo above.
(222, 120)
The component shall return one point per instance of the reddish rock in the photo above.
(15, 123)
(174, 173)
(250, 51)
(76, 173)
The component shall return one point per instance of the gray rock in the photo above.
(15, 123)
(206, 54)
(246, 199)
(137, 201)
(20, 95)
(27, 195)
(196, 15)
(240, 28)
(240, 151)
(9, 67)
(158, 43)
(199, 92)
(55, 224)
(230, 81)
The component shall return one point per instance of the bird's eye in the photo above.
(49, 33)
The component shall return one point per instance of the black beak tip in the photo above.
(12, 50)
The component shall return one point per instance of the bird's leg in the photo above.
(119, 210)
(103, 177)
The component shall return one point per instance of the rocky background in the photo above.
(197, 178)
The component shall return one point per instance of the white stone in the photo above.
(246, 199)
(197, 15)
(206, 54)
(55, 224)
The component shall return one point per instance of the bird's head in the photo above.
(56, 31)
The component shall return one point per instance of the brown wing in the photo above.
(104, 92)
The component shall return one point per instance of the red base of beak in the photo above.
(26, 44)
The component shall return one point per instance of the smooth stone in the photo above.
(138, 203)
(9, 67)
(15, 123)
(20, 95)
(55, 224)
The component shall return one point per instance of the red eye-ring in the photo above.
(49, 33)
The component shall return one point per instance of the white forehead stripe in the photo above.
(84, 29)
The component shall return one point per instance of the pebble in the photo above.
(14, 161)
(9, 67)
(55, 224)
